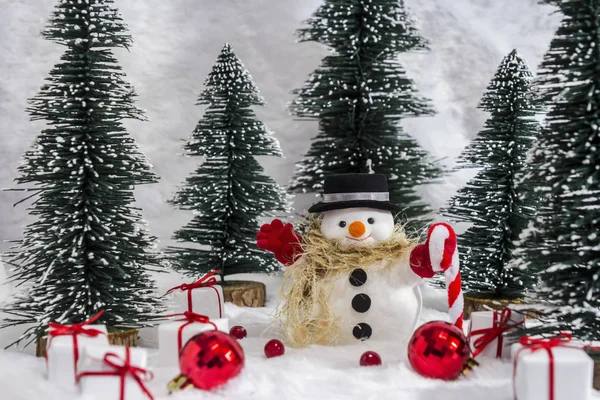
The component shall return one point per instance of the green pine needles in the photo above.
(359, 95)
(229, 192)
(496, 204)
(566, 169)
(89, 248)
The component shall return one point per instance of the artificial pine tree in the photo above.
(88, 250)
(565, 169)
(229, 191)
(496, 205)
(359, 94)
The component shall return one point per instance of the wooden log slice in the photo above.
(245, 293)
(478, 302)
(127, 338)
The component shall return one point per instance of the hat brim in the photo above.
(340, 205)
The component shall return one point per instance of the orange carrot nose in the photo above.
(357, 229)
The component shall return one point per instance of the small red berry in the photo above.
(238, 332)
(370, 358)
(274, 348)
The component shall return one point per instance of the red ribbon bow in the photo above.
(57, 329)
(123, 369)
(207, 280)
(190, 317)
(542, 344)
(488, 335)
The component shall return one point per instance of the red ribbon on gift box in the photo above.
(208, 281)
(57, 329)
(123, 368)
(190, 317)
(488, 335)
(533, 345)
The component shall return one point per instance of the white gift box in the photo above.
(573, 373)
(206, 300)
(108, 387)
(61, 354)
(168, 337)
(485, 320)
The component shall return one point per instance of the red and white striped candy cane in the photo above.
(443, 254)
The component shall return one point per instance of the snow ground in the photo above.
(313, 373)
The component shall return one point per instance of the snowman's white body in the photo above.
(394, 310)
(394, 298)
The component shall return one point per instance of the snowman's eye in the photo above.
(342, 224)
(371, 221)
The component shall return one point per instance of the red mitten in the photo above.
(281, 240)
(435, 255)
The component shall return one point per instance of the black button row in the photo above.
(360, 303)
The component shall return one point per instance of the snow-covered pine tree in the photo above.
(89, 249)
(359, 94)
(229, 191)
(493, 202)
(566, 170)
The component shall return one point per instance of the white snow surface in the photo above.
(313, 373)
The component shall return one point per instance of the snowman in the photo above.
(354, 275)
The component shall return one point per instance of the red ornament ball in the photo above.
(238, 332)
(274, 348)
(370, 358)
(211, 358)
(438, 350)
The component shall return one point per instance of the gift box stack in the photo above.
(543, 369)
(64, 349)
(79, 356)
(198, 307)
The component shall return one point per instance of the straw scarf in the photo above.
(304, 311)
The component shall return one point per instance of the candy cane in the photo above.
(446, 257)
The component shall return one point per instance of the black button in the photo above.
(361, 303)
(358, 277)
(362, 331)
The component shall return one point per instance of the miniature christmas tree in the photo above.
(359, 94)
(88, 249)
(493, 202)
(565, 167)
(229, 191)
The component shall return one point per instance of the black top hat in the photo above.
(355, 190)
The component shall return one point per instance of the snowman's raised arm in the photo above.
(436, 254)
(439, 253)
(281, 240)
